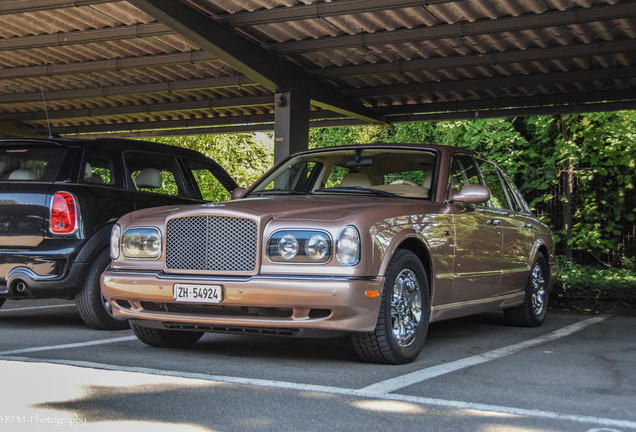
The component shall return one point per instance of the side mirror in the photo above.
(471, 194)
(237, 193)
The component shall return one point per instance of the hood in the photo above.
(306, 207)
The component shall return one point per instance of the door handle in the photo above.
(495, 222)
(526, 225)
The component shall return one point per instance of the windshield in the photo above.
(377, 171)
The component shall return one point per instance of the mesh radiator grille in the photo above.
(211, 243)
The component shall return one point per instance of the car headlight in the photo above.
(299, 246)
(115, 235)
(141, 243)
(348, 246)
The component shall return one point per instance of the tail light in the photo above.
(63, 213)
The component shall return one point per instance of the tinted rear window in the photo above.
(29, 163)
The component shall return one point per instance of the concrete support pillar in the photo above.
(291, 118)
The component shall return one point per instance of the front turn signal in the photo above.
(372, 293)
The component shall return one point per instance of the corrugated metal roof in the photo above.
(105, 66)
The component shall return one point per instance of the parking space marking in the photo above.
(358, 393)
(393, 384)
(70, 345)
(20, 309)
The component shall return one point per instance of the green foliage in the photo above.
(245, 157)
(579, 281)
(342, 136)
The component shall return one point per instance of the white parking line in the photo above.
(71, 345)
(20, 309)
(396, 383)
(192, 378)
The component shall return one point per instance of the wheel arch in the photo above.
(417, 246)
(95, 245)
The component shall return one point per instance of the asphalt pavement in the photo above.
(574, 373)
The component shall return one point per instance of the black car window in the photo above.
(493, 181)
(159, 174)
(98, 168)
(208, 184)
(30, 162)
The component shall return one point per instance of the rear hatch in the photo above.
(27, 171)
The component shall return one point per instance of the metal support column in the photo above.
(291, 118)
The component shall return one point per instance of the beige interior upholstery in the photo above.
(356, 179)
(149, 178)
(22, 174)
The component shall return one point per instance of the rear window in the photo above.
(29, 163)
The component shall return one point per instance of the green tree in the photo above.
(244, 156)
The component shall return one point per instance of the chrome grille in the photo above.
(211, 243)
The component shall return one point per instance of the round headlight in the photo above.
(288, 247)
(141, 243)
(115, 235)
(317, 247)
(298, 246)
(348, 246)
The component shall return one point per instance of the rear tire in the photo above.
(166, 338)
(404, 314)
(94, 309)
(2, 300)
(532, 312)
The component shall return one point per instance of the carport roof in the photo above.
(139, 67)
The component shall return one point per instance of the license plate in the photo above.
(198, 293)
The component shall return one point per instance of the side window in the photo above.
(516, 199)
(98, 168)
(155, 173)
(462, 172)
(494, 182)
(209, 186)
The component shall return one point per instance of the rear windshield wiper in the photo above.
(357, 189)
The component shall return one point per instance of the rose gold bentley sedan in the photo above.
(373, 241)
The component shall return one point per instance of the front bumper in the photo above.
(286, 305)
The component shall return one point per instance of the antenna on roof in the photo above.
(46, 111)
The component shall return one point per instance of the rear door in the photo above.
(27, 171)
(514, 222)
(157, 180)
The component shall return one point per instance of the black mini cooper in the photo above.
(60, 198)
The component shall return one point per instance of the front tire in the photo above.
(92, 306)
(404, 314)
(166, 338)
(532, 312)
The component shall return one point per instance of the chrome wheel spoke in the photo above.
(406, 307)
(538, 290)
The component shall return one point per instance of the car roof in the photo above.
(107, 144)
